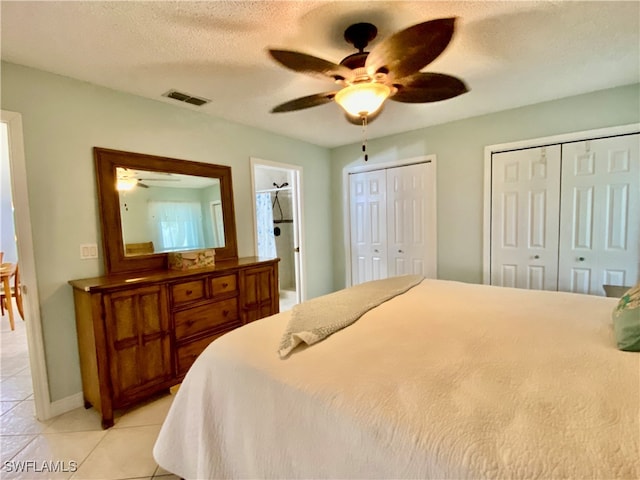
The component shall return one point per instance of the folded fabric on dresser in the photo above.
(316, 319)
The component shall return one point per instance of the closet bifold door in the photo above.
(600, 214)
(368, 206)
(393, 224)
(407, 220)
(525, 195)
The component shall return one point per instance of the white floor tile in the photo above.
(54, 455)
(18, 387)
(149, 413)
(122, 453)
(11, 364)
(10, 445)
(287, 299)
(22, 420)
(77, 420)
(6, 406)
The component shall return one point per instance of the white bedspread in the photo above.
(448, 380)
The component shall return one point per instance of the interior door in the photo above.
(525, 195)
(368, 226)
(406, 219)
(600, 214)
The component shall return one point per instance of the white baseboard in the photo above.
(65, 405)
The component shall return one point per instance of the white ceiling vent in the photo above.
(185, 97)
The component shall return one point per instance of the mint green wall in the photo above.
(459, 147)
(63, 119)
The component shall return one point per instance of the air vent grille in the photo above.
(185, 97)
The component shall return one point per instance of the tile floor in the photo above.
(74, 441)
(287, 299)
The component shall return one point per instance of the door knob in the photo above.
(536, 256)
(376, 251)
(581, 259)
(400, 251)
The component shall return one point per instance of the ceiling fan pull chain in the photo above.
(364, 137)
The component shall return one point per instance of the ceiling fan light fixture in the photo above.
(125, 184)
(363, 99)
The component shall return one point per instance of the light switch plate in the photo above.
(88, 251)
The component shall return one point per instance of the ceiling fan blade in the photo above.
(409, 50)
(304, 102)
(303, 63)
(159, 179)
(428, 87)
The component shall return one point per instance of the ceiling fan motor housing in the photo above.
(359, 35)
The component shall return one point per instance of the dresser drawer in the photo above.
(188, 353)
(224, 284)
(205, 317)
(188, 292)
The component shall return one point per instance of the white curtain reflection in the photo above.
(176, 225)
(266, 239)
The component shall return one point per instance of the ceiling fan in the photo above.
(127, 179)
(391, 70)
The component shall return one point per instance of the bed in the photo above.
(446, 380)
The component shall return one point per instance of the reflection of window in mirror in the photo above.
(174, 212)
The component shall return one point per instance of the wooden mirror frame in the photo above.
(106, 161)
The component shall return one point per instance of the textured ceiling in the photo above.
(509, 53)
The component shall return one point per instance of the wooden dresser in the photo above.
(139, 334)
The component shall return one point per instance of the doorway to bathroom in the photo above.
(277, 217)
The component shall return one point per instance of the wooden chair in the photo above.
(143, 248)
(16, 292)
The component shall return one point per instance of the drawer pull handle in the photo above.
(189, 292)
(225, 285)
(225, 313)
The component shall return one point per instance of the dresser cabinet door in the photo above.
(259, 292)
(138, 339)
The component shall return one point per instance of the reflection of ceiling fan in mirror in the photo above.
(140, 180)
(391, 70)
(128, 179)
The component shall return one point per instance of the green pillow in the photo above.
(626, 320)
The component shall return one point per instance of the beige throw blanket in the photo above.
(316, 319)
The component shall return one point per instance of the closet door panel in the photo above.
(600, 214)
(524, 228)
(407, 199)
(368, 226)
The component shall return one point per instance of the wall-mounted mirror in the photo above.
(154, 205)
(168, 212)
